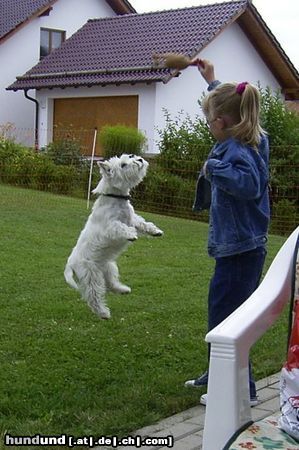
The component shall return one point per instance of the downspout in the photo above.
(36, 118)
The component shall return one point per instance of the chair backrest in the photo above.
(228, 407)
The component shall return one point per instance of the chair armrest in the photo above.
(228, 391)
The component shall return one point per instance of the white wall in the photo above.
(20, 53)
(234, 58)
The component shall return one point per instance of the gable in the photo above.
(271, 52)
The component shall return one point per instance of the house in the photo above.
(104, 73)
(29, 30)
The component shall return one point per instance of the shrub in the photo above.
(119, 139)
(65, 152)
(166, 193)
(184, 139)
(22, 166)
(12, 159)
(281, 124)
(285, 216)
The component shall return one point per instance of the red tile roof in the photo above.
(119, 49)
(14, 13)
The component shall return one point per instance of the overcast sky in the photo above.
(281, 16)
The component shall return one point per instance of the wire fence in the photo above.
(168, 188)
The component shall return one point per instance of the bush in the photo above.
(285, 217)
(65, 152)
(119, 139)
(185, 144)
(184, 139)
(166, 193)
(22, 166)
(281, 124)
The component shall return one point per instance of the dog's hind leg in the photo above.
(93, 289)
(111, 275)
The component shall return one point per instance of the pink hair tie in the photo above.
(241, 87)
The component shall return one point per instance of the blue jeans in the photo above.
(235, 278)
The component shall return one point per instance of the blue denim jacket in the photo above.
(239, 211)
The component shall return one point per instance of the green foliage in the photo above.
(22, 166)
(184, 139)
(65, 152)
(285, 215)
(185, 144)
(119, 139)
(281, 124)
(165, 192)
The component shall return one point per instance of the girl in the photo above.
(237, 169)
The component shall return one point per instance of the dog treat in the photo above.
(175, 61)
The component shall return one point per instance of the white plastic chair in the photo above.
(228, 406)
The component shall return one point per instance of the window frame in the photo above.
(50, 47)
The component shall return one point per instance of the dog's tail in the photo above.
(69, 276)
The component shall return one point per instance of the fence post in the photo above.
(91, 164)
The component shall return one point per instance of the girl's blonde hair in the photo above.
(240, 102)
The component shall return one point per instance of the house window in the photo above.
(49, 40)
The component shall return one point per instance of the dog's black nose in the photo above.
(140, 159)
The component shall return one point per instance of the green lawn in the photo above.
(65, 371)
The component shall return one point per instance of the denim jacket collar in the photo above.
(221, 147)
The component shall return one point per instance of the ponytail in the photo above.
(248, 130)
(241, 102)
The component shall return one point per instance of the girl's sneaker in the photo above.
(198, 382)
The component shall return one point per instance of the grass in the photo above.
(65, 371)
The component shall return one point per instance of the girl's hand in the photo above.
(206, 69)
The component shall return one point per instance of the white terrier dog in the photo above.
(108, 231)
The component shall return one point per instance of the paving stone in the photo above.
(197, 420)
(178, 431)
(267, 394)
(268, 381)
(271, 405)
(192, 442)
(187, 427)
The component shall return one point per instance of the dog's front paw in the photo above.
(132, 235)
(156, 232)
(120, 288)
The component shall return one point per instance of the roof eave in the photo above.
(26, 83)
(254, 27)
(89, 85)
(121, 7)
(37, 13)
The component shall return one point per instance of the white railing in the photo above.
(228, 406)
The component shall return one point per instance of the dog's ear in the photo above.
(105, 168)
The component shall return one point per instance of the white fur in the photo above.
(108, 231)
